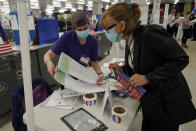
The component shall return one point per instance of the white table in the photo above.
(48, 119)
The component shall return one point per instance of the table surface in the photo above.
(48, 119)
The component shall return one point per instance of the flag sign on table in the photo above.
(5, 48)
(136, 92)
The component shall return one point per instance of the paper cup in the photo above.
(118, 114)
(90, 99)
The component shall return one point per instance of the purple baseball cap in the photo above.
(79, 19)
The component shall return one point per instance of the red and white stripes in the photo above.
(5, 48)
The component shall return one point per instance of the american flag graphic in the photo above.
(116, 118)
(5, 48)
(94, 102)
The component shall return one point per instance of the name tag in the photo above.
(84, 60)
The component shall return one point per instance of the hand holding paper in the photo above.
(136, 91)
(114, 67)
(100, 79)
(73, 68)
(138, 80)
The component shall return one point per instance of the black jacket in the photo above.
(158, 56)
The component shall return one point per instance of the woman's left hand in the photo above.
(138, 80)
(100, 79)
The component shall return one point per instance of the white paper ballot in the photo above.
(59, 76)
(83, 87)
(70, 66)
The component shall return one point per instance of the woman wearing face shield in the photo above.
(154, 60)
(77, 44)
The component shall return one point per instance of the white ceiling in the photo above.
(43, 3)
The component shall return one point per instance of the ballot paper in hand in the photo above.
(73, 68)
(83, 87)
(59, 76)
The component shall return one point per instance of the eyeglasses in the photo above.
(110, 27)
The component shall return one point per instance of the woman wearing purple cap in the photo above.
(153, 60)
(77, 44)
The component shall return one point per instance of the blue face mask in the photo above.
(113, 36)
(83, 34)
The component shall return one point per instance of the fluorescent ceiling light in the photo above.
(62, 10)
(80, 8)
(7, 6)
(176, 1)
(73, 9)
(35, 8)
(80, 2)
(50, 7)
(89, 5)
(34, 1)
(106, 0)
(115, 1)
(89, 8)
(56, 4)
(90, 2)
(62, 0)
(107, 6)
(68, 5)
(148, 2)
(5, 3)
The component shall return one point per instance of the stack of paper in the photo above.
(86, 78)
(61, 99)
(65, 93)
(83, 87)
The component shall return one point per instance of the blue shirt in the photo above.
(69, 44)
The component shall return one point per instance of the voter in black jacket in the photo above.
(154, 60)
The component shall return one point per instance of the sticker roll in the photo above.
(90, 99)
(118, 114)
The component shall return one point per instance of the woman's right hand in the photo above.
(51, 68)
(115, 67)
